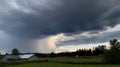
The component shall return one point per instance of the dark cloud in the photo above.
(91, 38)
(30, 19)
(23, 21)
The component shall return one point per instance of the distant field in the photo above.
(87, 59)
(59, 65)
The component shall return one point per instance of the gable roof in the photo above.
(12, 57)
(15, 57)
(26, 56)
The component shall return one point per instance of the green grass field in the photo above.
(60, 65)
(87, 61)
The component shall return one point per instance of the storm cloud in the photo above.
(90, 37)
(45, 17)
(31, 20)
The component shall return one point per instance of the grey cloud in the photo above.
(26, 20)
(49, 18)
(96, 39)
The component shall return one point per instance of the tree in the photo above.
(113, 54)
(52, 54)
(15, 51)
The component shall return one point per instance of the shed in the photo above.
(20, 57)
(11, 57)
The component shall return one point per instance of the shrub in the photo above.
(113, 54)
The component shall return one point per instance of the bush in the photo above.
(113, 54)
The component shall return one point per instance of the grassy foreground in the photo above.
(60, 65)
(88, 61)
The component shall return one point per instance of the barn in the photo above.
(19, 57)
(11, 57)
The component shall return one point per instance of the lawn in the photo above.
(60, 65)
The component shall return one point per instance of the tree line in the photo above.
(97, 51)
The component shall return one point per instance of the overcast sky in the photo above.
(57, 25)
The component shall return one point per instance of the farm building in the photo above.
(20, 57)
(11, 57)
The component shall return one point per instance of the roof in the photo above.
(26, 56)
(12, 56)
